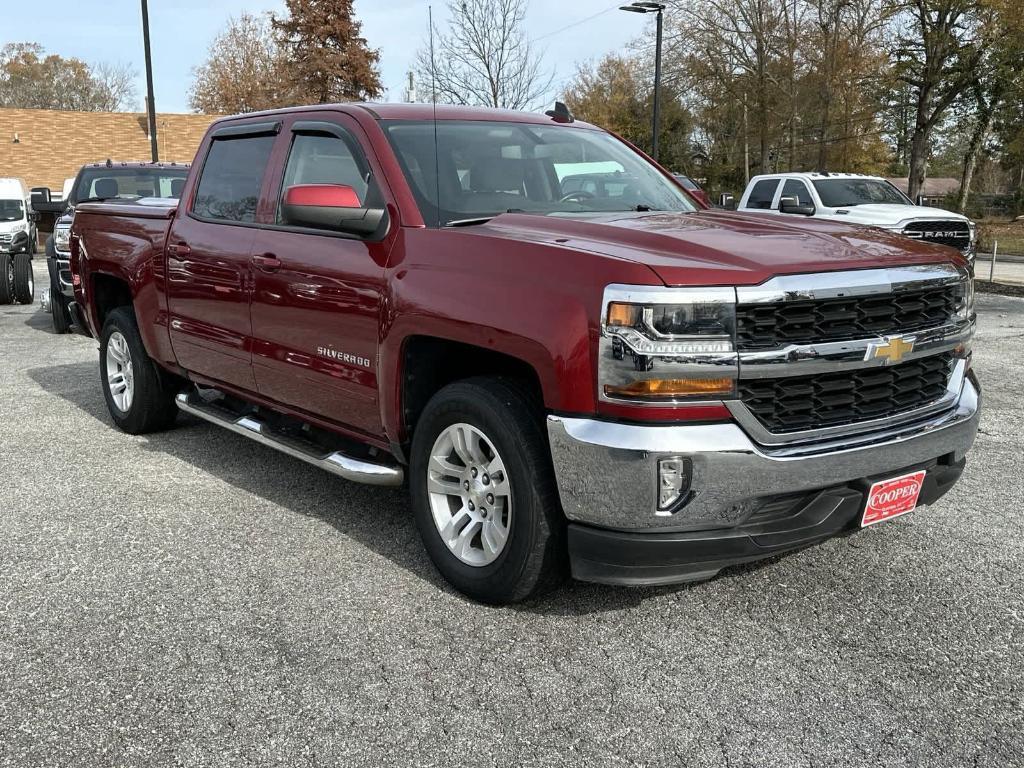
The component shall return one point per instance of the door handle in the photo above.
(267, 262)
(179, 249)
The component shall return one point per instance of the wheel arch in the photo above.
(427, 363)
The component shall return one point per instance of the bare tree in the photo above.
(484, 58)
(244, 70)
(115, 86)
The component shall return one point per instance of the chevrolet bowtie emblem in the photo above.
(892, 349)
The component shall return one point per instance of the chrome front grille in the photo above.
(844, 353)
(952, 233)
(7, 238)
(779, 324)
(800, 403)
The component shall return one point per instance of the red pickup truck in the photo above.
(616, 382)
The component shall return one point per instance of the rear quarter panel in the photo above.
(126, 242)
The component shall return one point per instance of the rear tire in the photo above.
(24, 279)
(59, 314)
(6, 278)
(140, 397)
(469, 429)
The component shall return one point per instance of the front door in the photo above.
(208, 259)
(316, 307)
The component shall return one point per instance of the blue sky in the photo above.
(110, 30)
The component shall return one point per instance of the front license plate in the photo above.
(891, 498)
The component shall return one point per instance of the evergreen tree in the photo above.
(328, 59)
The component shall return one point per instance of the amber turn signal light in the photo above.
(623, 315)
(669, 388)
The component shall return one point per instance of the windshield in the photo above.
(839, 193)
(485, 168)
(129, 183)
(12, 210)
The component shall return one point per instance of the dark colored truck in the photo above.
(98, 181)
(615, 382)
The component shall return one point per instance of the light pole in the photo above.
(150, 106)
(642, 7)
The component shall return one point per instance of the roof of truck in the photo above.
(136, 164)
(818, 175)
(421, 112)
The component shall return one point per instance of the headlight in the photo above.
(965, 300)
(62, 238)
(664, 345)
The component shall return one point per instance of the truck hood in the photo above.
(721, 248)
(893, 216)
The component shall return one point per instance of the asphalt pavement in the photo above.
(193, 599)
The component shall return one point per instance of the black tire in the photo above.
(6, 278)
(152, 405)
(59, 314)
(24, 279)
(534, 556)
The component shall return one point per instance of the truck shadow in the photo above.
(378, 518)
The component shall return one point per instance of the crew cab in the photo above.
(610, 381)
(857, 199)
(98, 181)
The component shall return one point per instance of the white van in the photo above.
(17, 242)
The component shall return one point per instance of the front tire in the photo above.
(24, 279)
(483, 491)
(139, 396)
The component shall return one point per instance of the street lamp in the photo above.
(642, 7)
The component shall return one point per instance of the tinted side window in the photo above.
(762, 193)
(229, 188)
(797, 189)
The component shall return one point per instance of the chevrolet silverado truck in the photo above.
(856, 199)
(614, 382)
(98, 181)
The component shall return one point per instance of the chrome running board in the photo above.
(335, 462)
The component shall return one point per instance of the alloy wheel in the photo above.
(120, 377)
(470, 495)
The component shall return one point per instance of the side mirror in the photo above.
(41, 195)
(725, 200)
(792, 205)
(329, 206)
(919, 200)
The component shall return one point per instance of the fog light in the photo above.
(673, 482)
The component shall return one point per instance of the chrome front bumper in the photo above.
(607, 472)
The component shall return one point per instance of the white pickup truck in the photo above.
(855, 199)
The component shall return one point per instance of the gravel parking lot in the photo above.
(191, 598)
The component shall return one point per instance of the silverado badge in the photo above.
(891, 349)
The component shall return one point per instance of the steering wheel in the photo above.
(578, 195)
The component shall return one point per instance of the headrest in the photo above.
(496, 174)
(177, 187)
(106, 187)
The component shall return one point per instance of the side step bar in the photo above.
(356, 470)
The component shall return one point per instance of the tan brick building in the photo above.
(44, 146)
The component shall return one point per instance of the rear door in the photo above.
(209, 273)
(318, 293)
